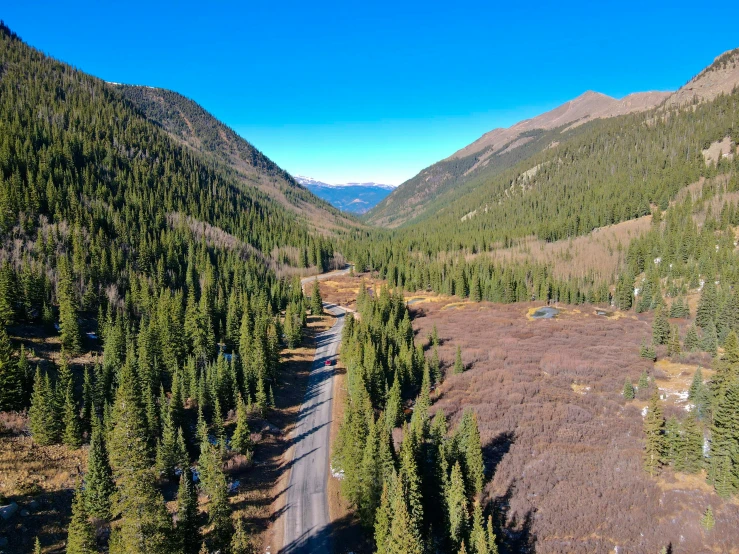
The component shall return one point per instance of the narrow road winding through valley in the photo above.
(307, 521)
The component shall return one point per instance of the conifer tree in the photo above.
(435, 364)
(660, 326)
(410, 480)
(217, 426)
(370, 476)
(145, 526)
(37, 546)
(673, 344)
(710, 338)
(219, 510)
(171, 451)
(316, 302)
(99, 485)
(724, 458)
(458, 364)
(261, 398)
(628, 391)
(690, 450)
(42, 416)
(240, 543)
(71, 336)
(647, 351)
(654, 425)
(72, 435)
(643, 383)
(87, 402)
(383, 521)
(672, 441)
(699, 395)
(81, 535)
(394, 406)
(482, 540)
(241, 439)
(11, 377)
(456, 504)
(8, 295)
(692, 341)
(188, 529)
(403, 537)
(474, 467)
(707, 305)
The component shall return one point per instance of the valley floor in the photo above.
(563, 449)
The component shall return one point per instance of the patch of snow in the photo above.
(337, 473)
(305, 181)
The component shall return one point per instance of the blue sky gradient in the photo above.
(376, 91)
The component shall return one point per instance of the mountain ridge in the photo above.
(193, 126)
(355, 198)
(502, 148)
(305, 181)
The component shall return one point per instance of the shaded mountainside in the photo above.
(192, 125)
(356, 198)
(501, 149)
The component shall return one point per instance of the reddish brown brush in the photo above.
(561, 444)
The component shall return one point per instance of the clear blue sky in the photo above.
(376, 90)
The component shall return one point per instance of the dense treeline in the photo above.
(715, 405)
(424, 496)
(675, 257)
(477, 278)
(187, 120)
(113, 234)
(611, 171)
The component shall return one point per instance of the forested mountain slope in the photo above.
(607, 171)
(499, 150)
(189, 123)
(142, 292)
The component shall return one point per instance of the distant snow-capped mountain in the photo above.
(350, 197)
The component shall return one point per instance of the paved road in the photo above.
(307, 528)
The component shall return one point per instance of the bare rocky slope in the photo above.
(721, 77)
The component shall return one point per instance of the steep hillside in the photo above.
(602, 172)
(131, 263)
(193, 126)
(721, 77)
(500, 149)
(356, 198)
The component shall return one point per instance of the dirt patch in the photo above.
(41, 480)
(719, 149)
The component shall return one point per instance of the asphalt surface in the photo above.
(307, 522)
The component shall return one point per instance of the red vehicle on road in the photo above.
(329, 362)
